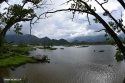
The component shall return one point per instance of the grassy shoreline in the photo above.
(15, 61)
(13, 56)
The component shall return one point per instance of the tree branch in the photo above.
(107, 27)
(88, 19)
(100, 30)
(119, 25)
(122, 3)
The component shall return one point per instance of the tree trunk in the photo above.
(3, 34)
(122, 3)
(107, 27)
(111, 33)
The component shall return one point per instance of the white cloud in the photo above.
(60, 24)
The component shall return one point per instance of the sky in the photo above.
(60, 25)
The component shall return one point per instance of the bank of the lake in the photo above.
(92, 64)
(12, 56)
(15, 61)
(86, 64)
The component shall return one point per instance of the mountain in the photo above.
(58, 42)
(98, 38)
(31, 39)
(22, 39)
(45, 40)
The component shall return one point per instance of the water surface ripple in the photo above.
(74, 65)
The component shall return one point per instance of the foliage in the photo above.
(13, 14)
(119, 56)
(14, 55)
(22, 45)
(14, 61)
(9, 50)
(112, 26)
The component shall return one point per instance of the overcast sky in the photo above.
(60, 25)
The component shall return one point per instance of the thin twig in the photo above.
(88, 19)
(100, 30)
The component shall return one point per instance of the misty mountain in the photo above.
(31, 39)
(22, 39)
(98, 38)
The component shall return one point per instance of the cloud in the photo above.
(60, 25)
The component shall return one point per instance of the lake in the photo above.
(72, 65)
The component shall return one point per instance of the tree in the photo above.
(16, 13)
(111, 26)
(1, 1)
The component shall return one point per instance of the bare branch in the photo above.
(106, 1)
(119, 25)
(50, 11)
(24, 19)
(66, 2)
(30, 26)
(88, 19)
(100, 30)
(121, 15)
(69, 10)
(113, 11)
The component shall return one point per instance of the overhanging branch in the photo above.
(122, 3)
(119, 25)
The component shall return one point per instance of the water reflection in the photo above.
(74, 65)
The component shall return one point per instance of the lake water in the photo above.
(73, 65)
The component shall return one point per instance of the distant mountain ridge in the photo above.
(31, 39)
(98, 38)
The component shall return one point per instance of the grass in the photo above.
(22, 50)
(12, 56)
(8, 51)
(15, 61)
